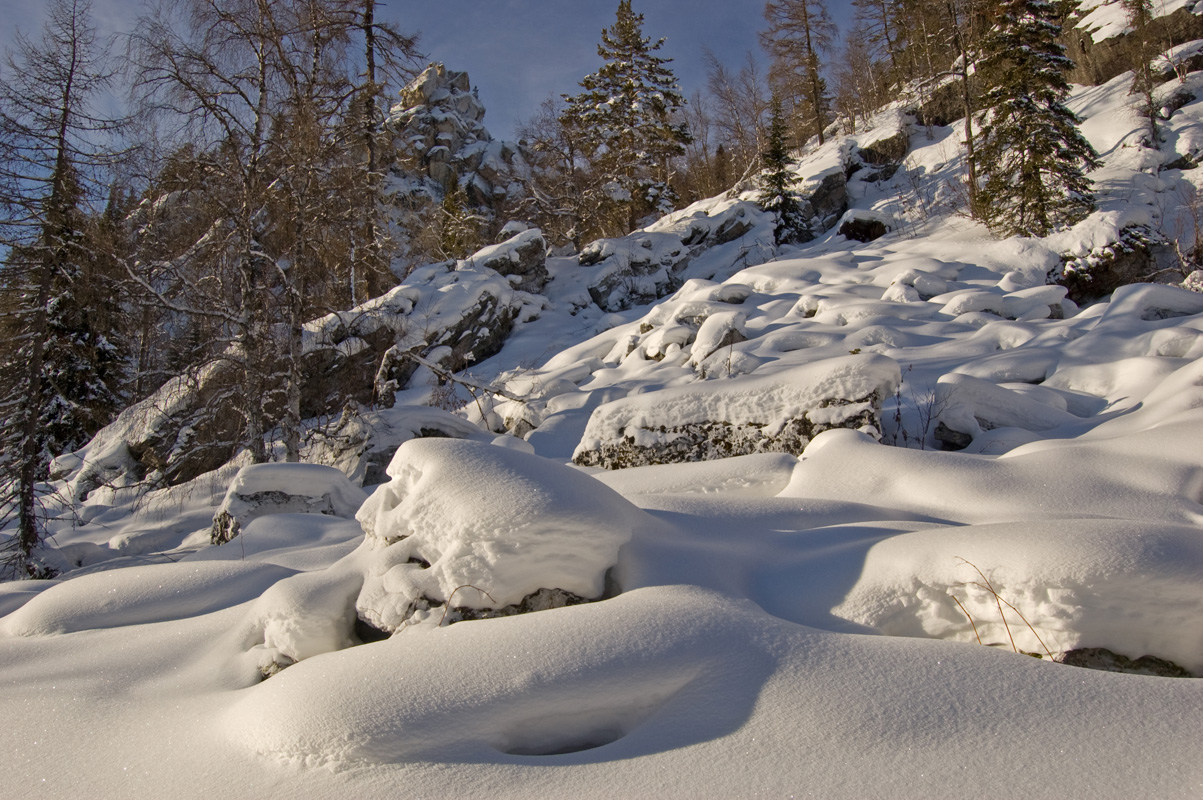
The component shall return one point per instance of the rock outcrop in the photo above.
(442, 143)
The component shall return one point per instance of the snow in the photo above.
(495, 521)
(773, 625)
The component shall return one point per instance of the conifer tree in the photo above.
(1031, 154)
(53, 368)
(776, 183)
(627, 119)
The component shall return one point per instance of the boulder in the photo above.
(261, 489)
(778, 413)
(481, 530)
(863, 227)
(522, 257)
(1137, 254)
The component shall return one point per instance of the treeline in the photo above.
(245, 191)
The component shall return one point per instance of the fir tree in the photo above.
(627, 118)
(1032, 156)
(776, 192)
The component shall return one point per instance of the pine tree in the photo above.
(627, 119)
(776, 183)
(1031, 154)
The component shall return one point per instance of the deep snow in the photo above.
(786, 626)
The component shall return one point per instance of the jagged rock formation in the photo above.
(442, 143)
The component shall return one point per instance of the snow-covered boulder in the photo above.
(486, 530)
(1136, 253)
(260, 489)
(780, 412)
(522, 258)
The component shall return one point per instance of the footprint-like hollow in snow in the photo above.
(577, 729)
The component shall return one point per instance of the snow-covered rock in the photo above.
(780, 412)
(476, 527)
(260, 489)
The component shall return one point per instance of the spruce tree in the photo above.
(1031, 155)
(627, 119)
(776, 182)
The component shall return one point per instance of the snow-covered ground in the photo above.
(856, 622)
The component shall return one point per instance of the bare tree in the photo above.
(740, 103)
(270, 98)
(799, 35)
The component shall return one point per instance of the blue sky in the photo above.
(518, 52)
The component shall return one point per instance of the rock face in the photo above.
(450, 314)
(779, 413)
(1099, 56)
(441, 141)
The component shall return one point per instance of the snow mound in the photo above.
(261, 489)
(1047, 586)
(140, 595)
(601, 677)
(487, 525)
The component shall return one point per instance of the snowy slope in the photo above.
(848, 623)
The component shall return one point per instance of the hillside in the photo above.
(845, 507)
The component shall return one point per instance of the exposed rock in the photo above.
(261, 489)
(863, 228)
(733, 227)
(951, 440)
(1103, 659)
(454, 314)
(887, 150)
(524, 257)
(780, 413)
(1139, 253)
(634, 270)
(1096, 62)
(828, 200)
(542, 600)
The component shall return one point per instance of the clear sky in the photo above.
(518, 52)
